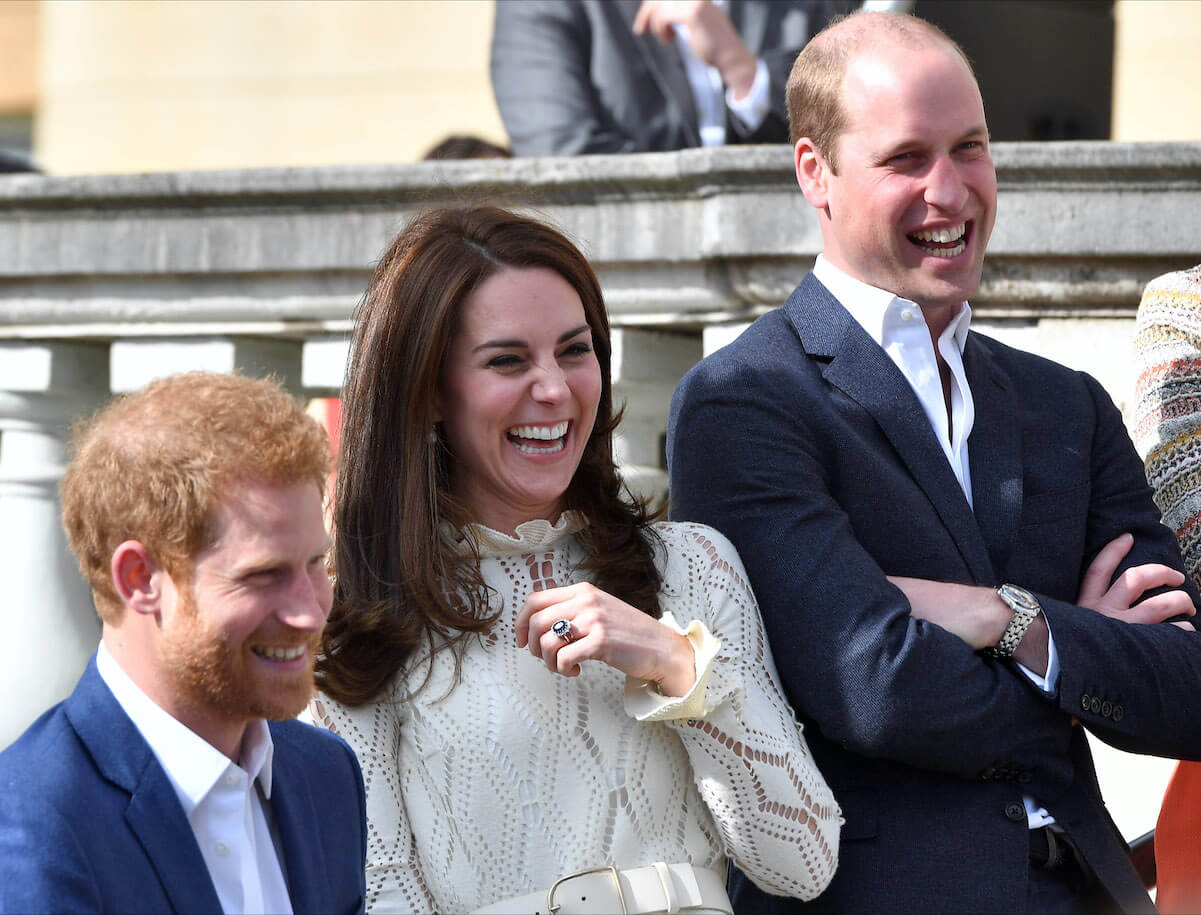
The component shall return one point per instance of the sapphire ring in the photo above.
(562, 628)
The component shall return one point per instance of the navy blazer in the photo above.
(89, 821)
(803, 443)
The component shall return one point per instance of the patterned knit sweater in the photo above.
(1167, 420)
(495, 787)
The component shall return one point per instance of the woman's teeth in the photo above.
(523, 437)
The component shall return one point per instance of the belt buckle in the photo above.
(612, 871)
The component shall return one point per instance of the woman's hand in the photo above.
(605, 629)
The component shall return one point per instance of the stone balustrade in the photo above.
(109, 281)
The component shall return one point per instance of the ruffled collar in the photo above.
(530, 535)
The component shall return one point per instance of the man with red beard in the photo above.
(195, 510)
(957, 558)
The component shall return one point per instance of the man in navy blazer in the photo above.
(934, 522)
(195, 510)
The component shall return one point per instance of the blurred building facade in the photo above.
(130, 86)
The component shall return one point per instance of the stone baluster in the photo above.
(646, 366)
(50, 626)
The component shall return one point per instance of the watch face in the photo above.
(1019, 598)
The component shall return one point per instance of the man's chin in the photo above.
(281, 702)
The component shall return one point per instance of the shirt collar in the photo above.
(192, 764)
(876, 310)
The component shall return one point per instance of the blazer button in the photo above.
(1095, 705)
(1015, 812)
(1085, 701)
(1118, 713)
(1107, 709)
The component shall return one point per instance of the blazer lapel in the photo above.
(750, 21)
(994, 452)
(859, 368)
(154, 815)
(302, 862)
(667, 68)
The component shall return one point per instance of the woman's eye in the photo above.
(578, 349)
(506, 361)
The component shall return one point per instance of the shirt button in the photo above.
(1015, 812)
(221, 848)
(231, 780)
(906, 314)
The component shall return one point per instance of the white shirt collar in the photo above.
(192, 764)
(878, 310)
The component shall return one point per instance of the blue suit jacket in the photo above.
(804, 444)
(90, 823)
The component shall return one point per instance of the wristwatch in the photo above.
(1025, 608)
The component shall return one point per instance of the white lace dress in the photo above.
(516, 776)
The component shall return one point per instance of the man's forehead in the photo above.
(895, 83)
(258, 511)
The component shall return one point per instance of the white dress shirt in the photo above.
(218, 797)
(899, 327)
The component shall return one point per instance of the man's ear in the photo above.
(137, 577)
(812, 172)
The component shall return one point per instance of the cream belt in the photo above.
(656, 887)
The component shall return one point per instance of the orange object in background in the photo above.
(328, 412)
(1178, 843)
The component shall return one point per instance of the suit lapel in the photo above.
(994, 451)
(154, 814)
(859, 368)
(750, 21)
(667, 69)
(302, 860)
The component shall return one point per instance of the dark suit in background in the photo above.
(804, 444)
(571, 77)
(89, 821)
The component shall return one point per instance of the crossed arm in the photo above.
(882, 664)
(979, 617)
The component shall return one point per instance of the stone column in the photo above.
(50, 627)
(646, 366)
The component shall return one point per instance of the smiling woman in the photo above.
(537, 678)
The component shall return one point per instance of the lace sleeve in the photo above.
(779, 820)
(395, 882)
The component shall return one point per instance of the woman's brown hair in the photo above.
(400, 585)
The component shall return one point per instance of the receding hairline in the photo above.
(853, 34)
(816, 85)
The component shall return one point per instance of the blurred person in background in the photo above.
(606, 76)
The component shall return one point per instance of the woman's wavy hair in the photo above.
(401, 585)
